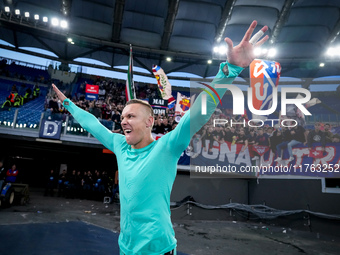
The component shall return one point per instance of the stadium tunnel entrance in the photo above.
(34, 159)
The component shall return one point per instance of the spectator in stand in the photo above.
(328, 133)
(230, 134)
(292, 136)
(115, 116)
(27, 95)
(166, 126)
(195, 141)
(158, 128)
(120, 107)
(336, 138)
(98, 186)
(242, 139)
(61, 183)
(14, 88)
(251, 137)
(95, 109)
(261, 139)
(117, 128)
(316, 136)
(88, 183)
(115, 189)
(105, 181)
(50, 184)
(12, 174)
(10, 100)
(275, 140)
(79, 184)
(270, 131)
(53, 108)
(209, 135)
(2, 174)
(71, 185)
(36, 91)
(101, 92)
(106, 112)
(171, 120)
(219, 134)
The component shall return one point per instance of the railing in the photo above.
(23, 119)
(32, 120)
(326, 118)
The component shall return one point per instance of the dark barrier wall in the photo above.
(210, 191)
(293, 195)
(281, 194)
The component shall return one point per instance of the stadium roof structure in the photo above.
(185, 30)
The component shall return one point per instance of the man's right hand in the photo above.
(60, 95)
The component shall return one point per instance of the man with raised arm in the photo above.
(147, 168)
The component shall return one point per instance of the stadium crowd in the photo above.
(276, 138)
(110, 104)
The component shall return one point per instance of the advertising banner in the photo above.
(50, 129)
(91, 92)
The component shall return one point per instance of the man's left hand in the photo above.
(243, 54)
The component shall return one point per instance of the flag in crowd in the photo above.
(130, 92)
(164, 85)
(182, 104)
(293, 112)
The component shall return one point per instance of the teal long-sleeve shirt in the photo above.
(146, 175)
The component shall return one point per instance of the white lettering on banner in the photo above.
(158, 101)
(50, 124)
(243, 157)
(329, 157)
(238, 100)
(300, 154)
(159, 111)
(214, 150)
(225, 152)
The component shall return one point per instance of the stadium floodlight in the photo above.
(45, 19)
(330, 51)
(322, 64)
(69, 39)
(333, 51)
(257, 51)
(272, 52)
(55, 22)
(36, 16)
(7, 9)
(209, 61)
(168, 59)
(27, 14)
(63, 24)
(222, 50)
(17, 12)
